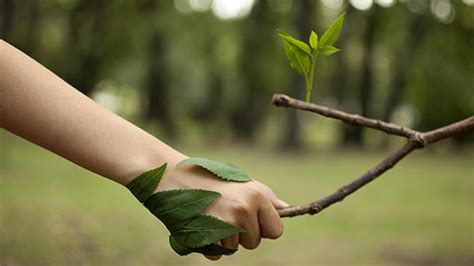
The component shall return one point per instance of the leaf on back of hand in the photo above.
(203, 230)
(328, 50)
(331, 35)
(175, 207)
(145, 184)
(222, 170)
(211, 250)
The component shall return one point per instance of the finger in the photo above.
(270, 222)
(231, 242)
(277, 203)
(214, 257)
(251, 238)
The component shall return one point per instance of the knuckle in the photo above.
(242, 209)
(255, 192)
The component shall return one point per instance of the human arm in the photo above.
(42, 108)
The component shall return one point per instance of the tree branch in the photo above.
(416, 140)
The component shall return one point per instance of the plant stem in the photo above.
(309, 86)
(309, 82)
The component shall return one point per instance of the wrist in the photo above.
(151, 157)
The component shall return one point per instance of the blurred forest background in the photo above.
(213, 65)
(200, 75)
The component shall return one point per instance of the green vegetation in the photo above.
(182, 210)
(54, 213)
(302, 57)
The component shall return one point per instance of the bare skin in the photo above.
(37, 105)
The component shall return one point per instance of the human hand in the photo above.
(250, 206)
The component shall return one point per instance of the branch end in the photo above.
(281, 100)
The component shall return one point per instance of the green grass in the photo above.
(420, 213)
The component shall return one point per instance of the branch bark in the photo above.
(416, 140)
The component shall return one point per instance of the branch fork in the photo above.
(415, 140)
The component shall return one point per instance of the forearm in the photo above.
(40, 107)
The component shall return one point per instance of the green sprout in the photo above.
(302, 57)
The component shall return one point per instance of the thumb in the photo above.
(276, 202)
(279, 204)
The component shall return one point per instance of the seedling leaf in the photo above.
(313, 40)
(328, 50)
(332, 33)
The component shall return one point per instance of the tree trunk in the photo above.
(398, 83)
(157, 87)
(249, 110)
(88, 54)
(353, 136)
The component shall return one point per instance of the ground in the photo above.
(420, 213)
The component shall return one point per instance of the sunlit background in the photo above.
(200, 75)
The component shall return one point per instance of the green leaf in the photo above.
(222, 170)
(313, 40)
(331, 35)
(176, 207)
(204, 230)
(293, 60)
(295, 43)
(299, 61)
(145, 184)
(211, 250)
(178, 248)
(297, 52)
(302, 60)
(329, 50)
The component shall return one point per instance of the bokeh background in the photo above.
(200, 75)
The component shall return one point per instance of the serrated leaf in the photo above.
(145, 184)
(328, 50)
(211, 250)
(203, 230)
(222, 170)
(313, 40)
(175, 207)
(178, 248)
(332, 33)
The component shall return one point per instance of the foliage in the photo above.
(223, 170)
(181, 210)
(302, 57)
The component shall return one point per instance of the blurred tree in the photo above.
(415, 28)
(87, 30)
(257, 83)
(364, 88)
(442, 84)
(157, 86)
(157, 81)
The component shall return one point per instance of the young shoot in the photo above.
(302, 57)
